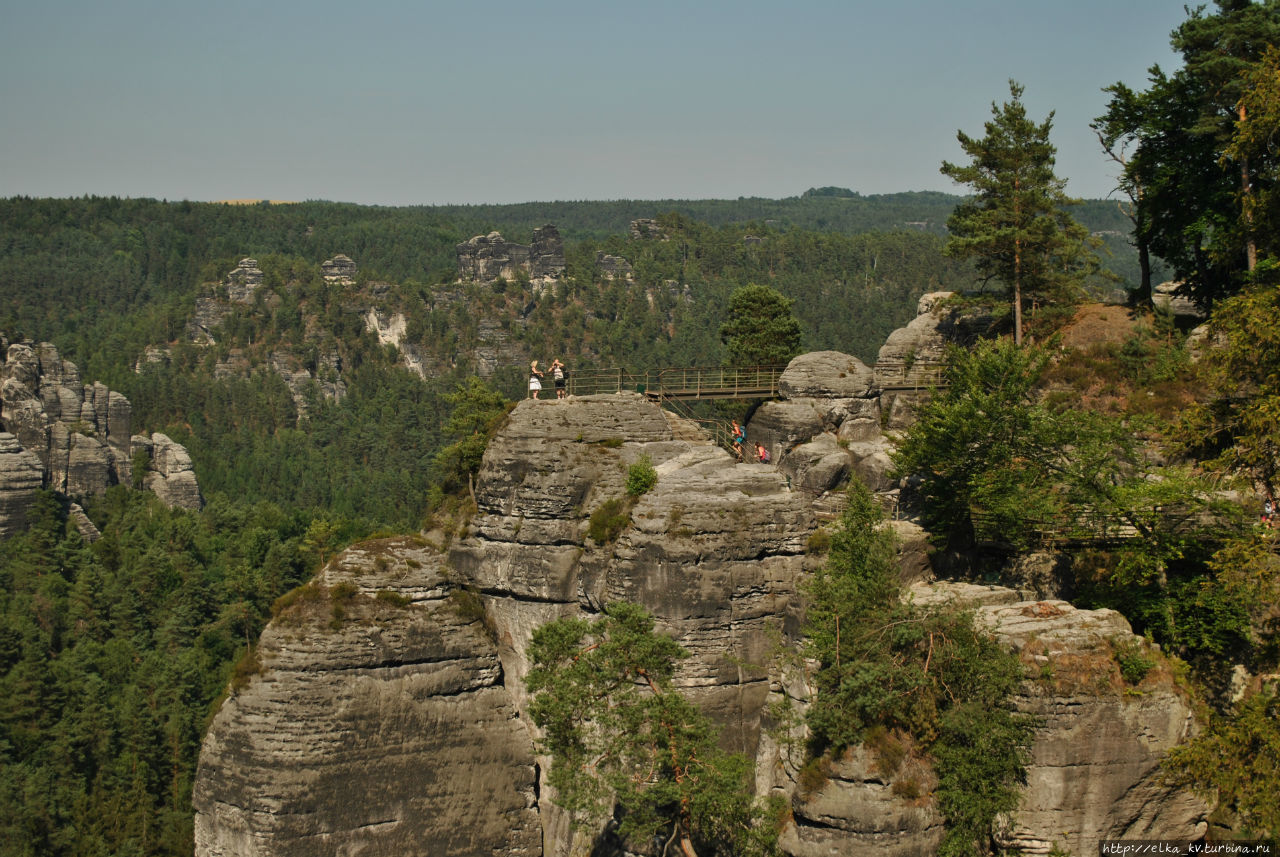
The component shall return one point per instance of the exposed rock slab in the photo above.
(375, 726)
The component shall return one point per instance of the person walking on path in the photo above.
(535, 380)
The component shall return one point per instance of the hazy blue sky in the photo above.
(410, 101)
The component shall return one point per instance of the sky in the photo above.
(420, 102)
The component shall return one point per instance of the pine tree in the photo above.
(1016, 226)
(760, 329)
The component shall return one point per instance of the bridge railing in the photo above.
(911, 376)
(696, 382)
(593, 382)
(686, 383)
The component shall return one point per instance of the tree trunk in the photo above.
(1246, 188)
(1144, 276)
(1017, 295)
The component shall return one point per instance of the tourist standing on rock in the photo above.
(535, 380)
(557, 374)
(762, 454)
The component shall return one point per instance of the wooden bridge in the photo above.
(729, 382)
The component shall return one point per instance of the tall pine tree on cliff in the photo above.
(1015, 226)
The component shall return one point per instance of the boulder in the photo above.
(817, 466)
(781, 426)
(827, 374)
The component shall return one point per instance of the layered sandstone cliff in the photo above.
(386, 713)
(374, 721)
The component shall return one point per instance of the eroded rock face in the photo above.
(911, 359)
(485, 258)
(170, 474)
(21, 476)
(79, 432)
(340, 270)
(378, 724)
(857, 810)
(714, 550)
(1097, 749)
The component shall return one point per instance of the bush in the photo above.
(641, 477)
(395, 599)
(608, 521)
(1132, 657)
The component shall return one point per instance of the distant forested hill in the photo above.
(105, 279)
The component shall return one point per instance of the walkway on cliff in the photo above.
(728, 382)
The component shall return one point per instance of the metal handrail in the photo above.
(684, 382)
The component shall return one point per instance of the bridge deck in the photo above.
(730, 382)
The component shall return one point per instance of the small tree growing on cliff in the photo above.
(620, 735)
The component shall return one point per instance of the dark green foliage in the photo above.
(641, 477)
(1133, 659)
(476, 412)
(617, 731)
(885, 666)
(1236, 762)
(760, 329)
(1194, 189)
(113, 657)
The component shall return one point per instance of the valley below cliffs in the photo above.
(384, 711)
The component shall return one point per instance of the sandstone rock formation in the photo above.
(485, 258)
(376, 723)
(414, 699)
(1095, 771)
(1168, 297)
(912, 357)
(170, 475)
(79, 432)
(21, 475)
(648, 228)
(243, 281)
(614, 267)
(339, 270)
(416, 710)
